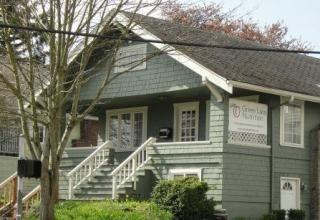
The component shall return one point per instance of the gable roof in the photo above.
(284, 71)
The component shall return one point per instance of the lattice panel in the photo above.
(247, 138)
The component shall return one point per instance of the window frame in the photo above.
(301, 104)
(184, 172)
(131, 111)
(176, 121)
(140, 48)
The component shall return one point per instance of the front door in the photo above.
(290, 193)
(126, 128)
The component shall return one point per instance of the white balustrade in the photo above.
(127, 170)
(87, 167)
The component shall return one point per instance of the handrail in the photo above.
(128, 168)
(87, 167)
(3, 183)
(31, 198)
(8, 192)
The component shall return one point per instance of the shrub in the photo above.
(101, 210)
(275, 215)
(184, 198)
(295, 214)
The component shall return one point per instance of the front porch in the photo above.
(142, 140)
(180, 116)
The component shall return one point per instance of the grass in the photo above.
(107, 210)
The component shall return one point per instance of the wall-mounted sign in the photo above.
(248, 117)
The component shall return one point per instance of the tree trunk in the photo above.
(49, 191)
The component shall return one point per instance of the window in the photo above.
(186, 121)
(183, 173)
(126, 128)
(41, 133)
(292, 124)
(131, 56)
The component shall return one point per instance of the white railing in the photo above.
(127, 170)
(87, 167)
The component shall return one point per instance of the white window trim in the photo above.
(298, 189)
(184, 172)
(282, 142)
(140, 48)
(44, 133)
(143, 110)
(176, 121)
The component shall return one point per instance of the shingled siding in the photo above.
(186, 156)
(246, 169)
(162, 74)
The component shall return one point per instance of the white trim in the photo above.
(298, 189)
(213, 90)
(278, 92)
(207, 119)
(249, 145)
(143, 110)
(176, 54)
(182, 143)
(184, 172)
(282, 142)
(81, 148)
(176, 119)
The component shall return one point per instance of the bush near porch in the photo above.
(106, 210)
(185, 198)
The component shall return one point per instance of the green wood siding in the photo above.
(183, 156)
(246, 169)
(163, 74)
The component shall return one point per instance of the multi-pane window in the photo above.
(187, 117)
(41, 133)
(292, 125)
(126, 128)
(184, 173)
(131, 58)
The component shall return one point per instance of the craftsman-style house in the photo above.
(243, 121)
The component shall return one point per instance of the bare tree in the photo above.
(42, 92)
(213, 17)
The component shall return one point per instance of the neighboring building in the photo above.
(243, 121)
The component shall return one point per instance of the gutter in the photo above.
(278, 92)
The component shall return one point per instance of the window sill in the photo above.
(292, 145)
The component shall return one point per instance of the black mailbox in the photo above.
(29, 168)
(165, 133)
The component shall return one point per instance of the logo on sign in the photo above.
(236, 111)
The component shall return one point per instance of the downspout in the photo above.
(272, 147)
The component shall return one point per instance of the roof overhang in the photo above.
(279, 92)
(177, 55)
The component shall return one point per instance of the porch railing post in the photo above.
(70, 187)
(134, 168)
(114, 187)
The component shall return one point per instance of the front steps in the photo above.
(99, 186)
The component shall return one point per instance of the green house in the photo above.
(244, 121)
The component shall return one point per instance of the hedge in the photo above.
(107, 210)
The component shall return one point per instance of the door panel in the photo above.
(290, 193)
(126, 129)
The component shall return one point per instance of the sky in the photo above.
(302, 17)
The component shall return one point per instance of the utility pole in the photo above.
(20, 182)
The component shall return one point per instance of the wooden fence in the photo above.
(9, 140)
